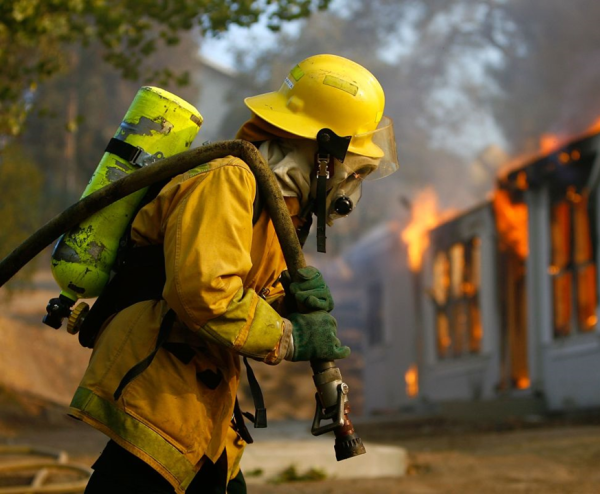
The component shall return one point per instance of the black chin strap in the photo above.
(323, 163)
(306, 217)
(330, 146)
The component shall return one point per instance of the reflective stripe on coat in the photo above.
(216, 263)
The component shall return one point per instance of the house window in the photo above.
(573, 266)
(455, 294)
(375, 314)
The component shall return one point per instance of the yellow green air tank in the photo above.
(161, 125)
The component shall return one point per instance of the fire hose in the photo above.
(332, 393)
(43, 468)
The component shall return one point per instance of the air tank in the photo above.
(157, 125)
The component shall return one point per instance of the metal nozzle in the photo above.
(347, 442)
(332, 404)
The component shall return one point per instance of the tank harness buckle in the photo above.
(132, 154)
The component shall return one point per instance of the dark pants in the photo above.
(119, 472)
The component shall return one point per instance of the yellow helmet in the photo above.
(328, 91)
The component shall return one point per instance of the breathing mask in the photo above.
(340, 173)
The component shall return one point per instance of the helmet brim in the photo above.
(272, 107)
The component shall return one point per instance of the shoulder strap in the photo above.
(136, 370)
(260, 412)
(257, 206)
(125, 242)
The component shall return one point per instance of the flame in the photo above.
(522, 181)
(523, 383)
(425, 216)
(550, 143)
(511, 221)
(594, 128)
(411, 377)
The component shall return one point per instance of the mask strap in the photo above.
(323, 163)
(330, 146)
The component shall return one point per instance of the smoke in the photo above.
(461, 78)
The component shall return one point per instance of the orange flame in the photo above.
(511, 222)
(549, 143)
(411, 377)
(594, 128)
(425, 216)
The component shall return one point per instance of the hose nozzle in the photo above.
(332, 404)
(347, 442)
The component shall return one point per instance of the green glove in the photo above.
(310, 290)
(315, 337)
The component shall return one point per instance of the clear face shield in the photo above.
(345, 187)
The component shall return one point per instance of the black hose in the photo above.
(164, 170)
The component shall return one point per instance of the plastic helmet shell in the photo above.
(326, 91)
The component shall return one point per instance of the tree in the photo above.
(548, 81)
(531, 66)
(79, 111)
(456, 68)
(34, 33)
(20, 204)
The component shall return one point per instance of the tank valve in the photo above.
(57, 309)
(77, 317)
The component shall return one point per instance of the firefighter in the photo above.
(164, 372)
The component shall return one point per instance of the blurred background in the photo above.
(468, 83)
(466, 277)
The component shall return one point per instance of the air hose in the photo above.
(331, 397)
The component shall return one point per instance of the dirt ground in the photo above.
(547, 459)
(40, 369)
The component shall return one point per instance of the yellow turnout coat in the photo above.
(221, 273)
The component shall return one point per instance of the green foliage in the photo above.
(291, 474)
(257, 472)
(78, 112)
(20, 194)
(34, 33)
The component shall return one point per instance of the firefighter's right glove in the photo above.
(309, 290)
(314, 337)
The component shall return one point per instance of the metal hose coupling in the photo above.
(332, 404)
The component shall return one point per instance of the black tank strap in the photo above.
(260, 412)
(151, 259)
(258, 207)
(238, 423)
(123, 150)
(139, 276)
(136, 370)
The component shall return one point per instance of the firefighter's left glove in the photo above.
(309, 290)
(314, 337)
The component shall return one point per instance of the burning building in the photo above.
(498, 303)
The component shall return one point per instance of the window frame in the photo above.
(572, 270)
(459, 305)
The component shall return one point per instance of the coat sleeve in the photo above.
(207, 242)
